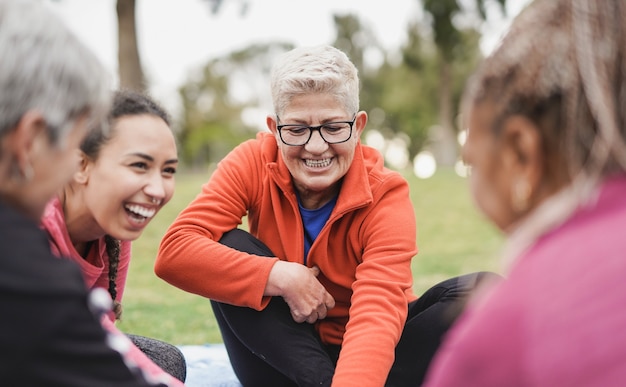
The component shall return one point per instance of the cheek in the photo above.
(482, 180)
(490, 195)
(345, 152)
(479, 189)
(108, 182)
(290, 152)
(291, 157)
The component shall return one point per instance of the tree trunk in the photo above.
(443, 138)
(129, 63)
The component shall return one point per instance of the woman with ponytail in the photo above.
(125, 176)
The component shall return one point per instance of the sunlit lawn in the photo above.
(452, 237)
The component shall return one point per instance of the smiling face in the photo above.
(132, 178)
(317, 167)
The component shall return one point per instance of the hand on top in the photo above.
(307, 298)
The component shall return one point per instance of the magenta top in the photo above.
(560, 317)
(95, 270)
(95, 267)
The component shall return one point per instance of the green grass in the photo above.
(453, 239)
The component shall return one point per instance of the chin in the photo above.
(127, 235)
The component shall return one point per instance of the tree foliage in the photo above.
(406, 94)
(402, 96)
(451, 40)
(215, 99)
(411, 96)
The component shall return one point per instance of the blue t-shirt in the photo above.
(313, 222)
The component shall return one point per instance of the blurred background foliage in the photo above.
(413, 94)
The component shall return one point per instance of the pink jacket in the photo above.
(560, 317)
(95, 269)
(364, 251)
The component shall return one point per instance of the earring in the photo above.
(155, 201)
(520, 195)
(28, 173)
(25, 174)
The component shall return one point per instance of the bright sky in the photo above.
(178, 36)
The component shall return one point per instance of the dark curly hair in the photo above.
(125, 103)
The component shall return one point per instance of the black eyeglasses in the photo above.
(331, 132)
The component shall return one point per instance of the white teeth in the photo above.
(141, 211)
(317, 163)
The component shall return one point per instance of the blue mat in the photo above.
(208, 366)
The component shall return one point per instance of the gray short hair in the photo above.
(317, 69)
(44, 67)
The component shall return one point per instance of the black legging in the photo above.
(168, 357)
(268, 348)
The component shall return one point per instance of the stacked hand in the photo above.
(307, 298)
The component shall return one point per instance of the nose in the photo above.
(155, 186)
(316, 143)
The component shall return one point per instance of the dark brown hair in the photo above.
(125, 103)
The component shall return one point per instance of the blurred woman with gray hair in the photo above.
(52, 90)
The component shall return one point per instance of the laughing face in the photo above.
(132, 179)
(317, 167)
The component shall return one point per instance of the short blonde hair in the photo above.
(317, 69)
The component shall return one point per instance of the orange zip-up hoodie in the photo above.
(364, 251)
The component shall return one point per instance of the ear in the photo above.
(84, 168)
(272, 125)
(522, 144)
(24, 140)
(359, 123)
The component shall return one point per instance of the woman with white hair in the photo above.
(320, 290)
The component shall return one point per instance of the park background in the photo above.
(208, 62)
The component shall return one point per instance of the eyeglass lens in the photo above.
(332, 133)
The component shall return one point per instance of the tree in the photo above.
(354, 39)
(448, 38)
(130, 69)
(398, 94)
(129, 62)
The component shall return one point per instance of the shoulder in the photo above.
(259, 150)
(379, 176)
(26, 262)
(371, 187)
(248, 162)
(53, 218)
(125, 249)
(487, 345)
